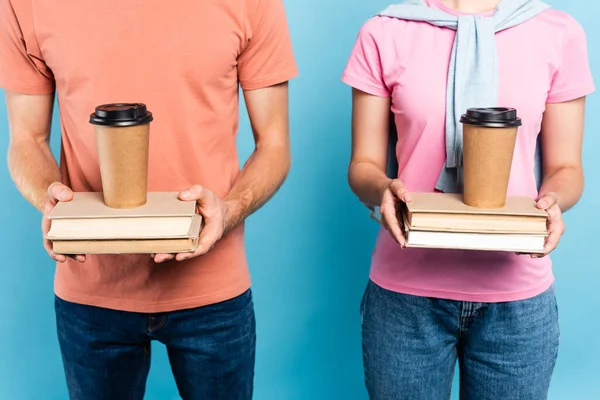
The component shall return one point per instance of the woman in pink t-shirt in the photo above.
(493, 311)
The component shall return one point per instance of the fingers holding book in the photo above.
(56, 192)
(394, 197)
(555, 223)
(213, 211)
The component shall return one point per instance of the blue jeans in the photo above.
(411, 345)
(106, 353)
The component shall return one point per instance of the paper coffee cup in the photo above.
(489, 137)
(122, 137)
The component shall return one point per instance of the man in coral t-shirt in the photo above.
(186, 60)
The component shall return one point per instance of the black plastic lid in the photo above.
(492, 117)
(125, 114)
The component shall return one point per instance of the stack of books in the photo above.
(85, 225)
(440, 220)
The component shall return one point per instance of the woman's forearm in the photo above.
(33, 168)
(567, 183)
(368, 182)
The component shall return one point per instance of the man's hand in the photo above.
(214, 213)
(393, 194)
(262, 174)
(556, 226)
(56, 192)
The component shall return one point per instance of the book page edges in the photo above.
(193, 232)
(125, 246)
(467, 247)
(195, 227)
(441, 247)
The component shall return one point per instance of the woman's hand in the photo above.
(555, 224)
(394, 194)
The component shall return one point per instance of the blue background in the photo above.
(309, 248)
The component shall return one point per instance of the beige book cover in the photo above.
(450, 203)
(447, 212)
(454, 225)
(85, 225)
(91, 205)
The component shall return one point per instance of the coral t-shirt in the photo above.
(543, 60)
(185, 60)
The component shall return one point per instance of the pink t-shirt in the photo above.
(540, 61)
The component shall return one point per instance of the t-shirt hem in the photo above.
(461, 296)
(571, 94)
(129, 305)
(359, 84)
(25, 88)
(269, 80)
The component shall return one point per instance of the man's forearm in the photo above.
(32, 168)
(567, 183)
(262, 175)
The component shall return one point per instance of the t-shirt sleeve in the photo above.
(364, 69)
(268, 58)
(572, 78)
(22, 68)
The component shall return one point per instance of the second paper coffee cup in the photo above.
(489, 137)
(122, 137)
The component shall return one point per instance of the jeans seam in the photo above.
(152, 328)
(137, 383)
(161, 323)
(463, 316)
(453, 373)
(363, 304)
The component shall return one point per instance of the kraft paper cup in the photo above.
(489, 137)
(122, 136)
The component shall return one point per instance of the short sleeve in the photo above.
(22, 68)
(268, 58)
(364, 70)
(572, 78)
